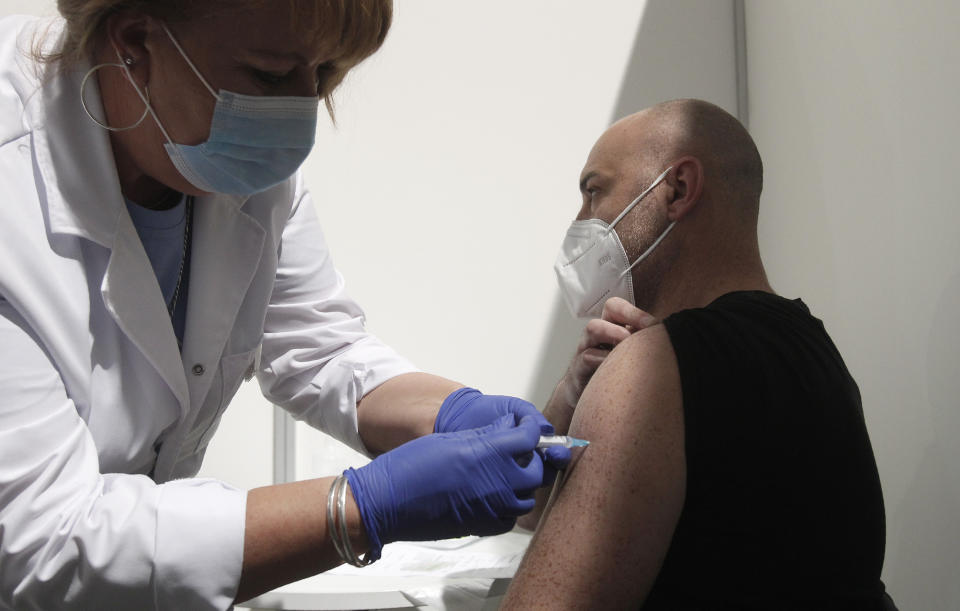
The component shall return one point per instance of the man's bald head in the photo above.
(670, 130)
(711, 194)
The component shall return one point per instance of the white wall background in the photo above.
(43, 8)
(854, 108)
(451, 178)
(448, 184)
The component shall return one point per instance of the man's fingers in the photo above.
(601, 332)
(619, 320)
(592, 357)
(586, 364)
(621, 312)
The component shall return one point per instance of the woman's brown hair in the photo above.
(358, 26)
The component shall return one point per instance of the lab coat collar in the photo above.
(82, 196)
(76, 159)
(226, 250)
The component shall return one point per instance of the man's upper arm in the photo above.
(603, 541)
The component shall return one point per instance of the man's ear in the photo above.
(686, 180)
(127, 35)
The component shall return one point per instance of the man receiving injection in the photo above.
(730, 466)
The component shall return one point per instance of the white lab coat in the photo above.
(100, 414)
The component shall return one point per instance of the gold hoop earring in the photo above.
(86, 109)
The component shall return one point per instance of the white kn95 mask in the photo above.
(593, 266)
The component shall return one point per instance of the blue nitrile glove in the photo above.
(449, 484)
(468, 408)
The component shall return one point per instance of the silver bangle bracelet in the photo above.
(337, 523)
(331, 517)
(351, 557)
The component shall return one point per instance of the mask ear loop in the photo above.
(86, 109)
(630, 206)
(649, 250)
(145, 98)
(186, 58)
(626, 210)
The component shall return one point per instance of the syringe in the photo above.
(550, 441)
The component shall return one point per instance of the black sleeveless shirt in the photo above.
(783, 505)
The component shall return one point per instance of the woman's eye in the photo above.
(270, 78)
(324, 71)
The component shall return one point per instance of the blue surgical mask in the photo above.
(255, 142)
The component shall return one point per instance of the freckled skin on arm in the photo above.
(604, 539)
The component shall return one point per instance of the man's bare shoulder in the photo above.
(633, 403)
(645, 348)
(629, 482)
(640, 374)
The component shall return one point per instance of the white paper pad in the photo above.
(456, 574)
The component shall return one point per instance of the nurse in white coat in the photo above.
(156, 246)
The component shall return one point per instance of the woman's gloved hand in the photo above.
(468, 408)
(450, 484)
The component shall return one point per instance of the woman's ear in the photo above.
(686, 180)
(126, 43)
